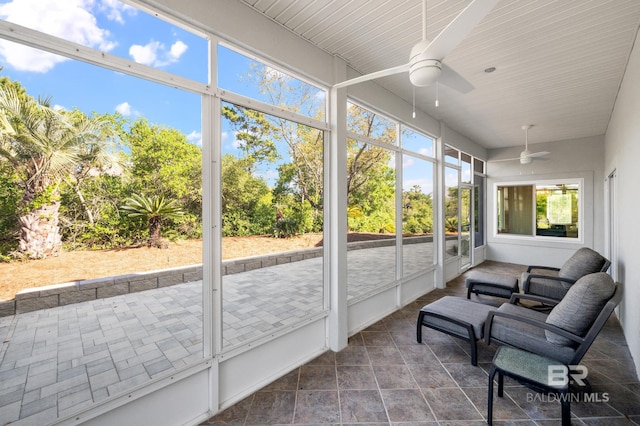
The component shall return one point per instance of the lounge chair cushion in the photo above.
(583, 262)
(527, 336)
(554, 289)
(580, 306)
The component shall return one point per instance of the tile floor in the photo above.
(385, 377)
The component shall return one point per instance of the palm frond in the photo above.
(52, 144)
(143, 206)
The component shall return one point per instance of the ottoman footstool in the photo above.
(457, 317)
(491, 284)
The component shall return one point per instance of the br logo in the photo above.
(560, 375)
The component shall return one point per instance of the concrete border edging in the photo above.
(51, 296)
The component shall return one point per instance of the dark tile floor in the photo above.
(385, 377)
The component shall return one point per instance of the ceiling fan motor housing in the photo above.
(525, 157)
(424, 72)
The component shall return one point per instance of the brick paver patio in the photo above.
(57, 361)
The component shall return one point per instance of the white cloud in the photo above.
(24, 58)
(113, 9)
(426, 151)
(236, 142)
(195, 138)
(177, 49)
(273, 74)
(70, 20)
(156, 54)
(268, 175)
(125, 109)
(147, 54)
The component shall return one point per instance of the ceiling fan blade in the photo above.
(378, 74)
(537, 154)
(453, 34)
(504, 159)
(449, 77)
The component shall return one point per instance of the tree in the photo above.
(164, 163)
(451, 210)
(299, 188)
(101, 157)
(109, 229)
(300, 184)
(370, 179)
(417, 212)
(45, 147)
(247, 202)
(153, 210)
(254, 134)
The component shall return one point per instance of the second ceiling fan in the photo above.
(526, 156)
(425, 65)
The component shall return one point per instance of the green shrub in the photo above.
(286, 228)
(10, 193)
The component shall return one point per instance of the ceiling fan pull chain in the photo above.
(414, 101)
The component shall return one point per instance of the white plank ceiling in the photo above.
(559, 63)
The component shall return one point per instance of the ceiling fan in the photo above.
(526, 156)
(425, 65)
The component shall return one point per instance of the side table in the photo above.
(531, 370)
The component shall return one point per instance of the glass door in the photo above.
(466, 245)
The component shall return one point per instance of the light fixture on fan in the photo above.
(422, 70)
(425, 73)
(527, 156)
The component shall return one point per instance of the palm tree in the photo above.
(45, 146)
(153, 210)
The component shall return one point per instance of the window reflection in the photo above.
(451, 155)
(546, 210)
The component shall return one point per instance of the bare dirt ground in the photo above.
(85, 265)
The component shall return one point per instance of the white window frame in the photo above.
(519, 237)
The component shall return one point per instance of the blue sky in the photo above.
(118, 29)
(121, 30)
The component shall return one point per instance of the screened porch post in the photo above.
(336, 199)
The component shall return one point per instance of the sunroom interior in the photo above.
(564, 77)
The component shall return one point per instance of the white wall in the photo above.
(577, 158)
(622, 152)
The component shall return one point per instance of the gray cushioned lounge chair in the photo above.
(567, 332)
(554, 283)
